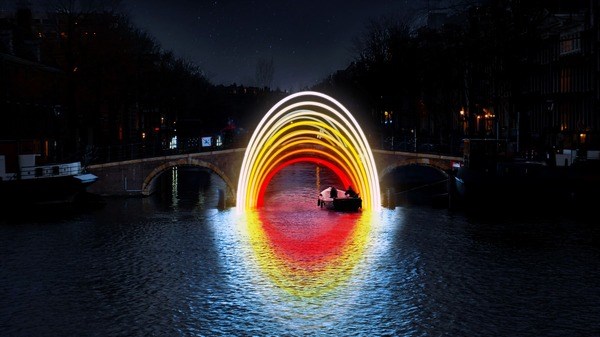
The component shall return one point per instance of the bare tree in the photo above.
(81, 7)
(265, 69)
(376, 43)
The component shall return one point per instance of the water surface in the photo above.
(175, 265)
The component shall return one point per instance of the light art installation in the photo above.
(315, 258)
(308, 127)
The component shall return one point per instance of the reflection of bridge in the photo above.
(138, 177)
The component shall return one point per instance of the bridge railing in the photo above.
(423, 145)
(123, 152)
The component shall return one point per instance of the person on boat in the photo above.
(350, 192)
(333, 193)
(320, 200)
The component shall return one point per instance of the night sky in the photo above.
(307, 40)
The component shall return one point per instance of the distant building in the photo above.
(560, 103)
(552, 103)
(32, 98)
(32, 94)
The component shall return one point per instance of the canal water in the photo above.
(174, 264)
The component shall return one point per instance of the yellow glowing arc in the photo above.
(304, 114)
(290, 114)
(281, 139)
(276, 152)
(268, 143)
(358, 145)
(291, 154)
(286, 122)
(280, 154)
(274, 123)
(286, 125)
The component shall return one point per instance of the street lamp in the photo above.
(463, 117)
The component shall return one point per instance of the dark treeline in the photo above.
(479, 71)
(84, 79)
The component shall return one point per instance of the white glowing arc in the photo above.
(334, 124)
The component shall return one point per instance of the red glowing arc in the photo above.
(338, 172)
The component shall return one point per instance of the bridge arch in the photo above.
(411, 161)
(150, 179)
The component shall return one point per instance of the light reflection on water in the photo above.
(177, 266)
(318, 293)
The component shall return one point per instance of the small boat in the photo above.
(339, 200)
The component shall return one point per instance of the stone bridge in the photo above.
(138, 177)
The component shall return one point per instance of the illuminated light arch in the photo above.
(339, 173)
(311, 127)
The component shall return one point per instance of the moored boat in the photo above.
(26, 182)
(490, 179)
(339, 200)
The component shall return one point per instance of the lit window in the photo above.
(569, 44)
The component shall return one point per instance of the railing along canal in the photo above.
(141, 150)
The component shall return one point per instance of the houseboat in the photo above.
(27, 181)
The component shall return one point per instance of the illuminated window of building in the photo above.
(388, 117)
(565, 80)
(488, 118)
(570, 43)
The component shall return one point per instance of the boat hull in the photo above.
(342, 202)
(347, 204)
(44, 191)
(518, 186)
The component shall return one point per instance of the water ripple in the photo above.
(138, 269)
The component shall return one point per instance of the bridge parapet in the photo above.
(387, 161)
(138, 177)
